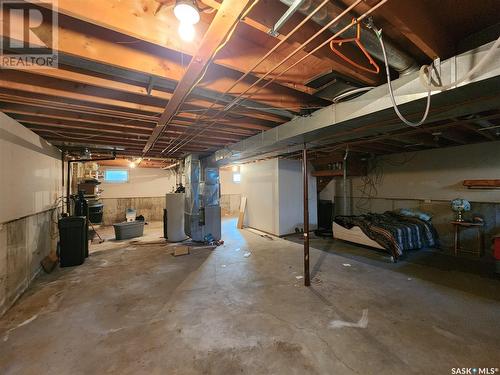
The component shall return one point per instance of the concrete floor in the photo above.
(132, 308)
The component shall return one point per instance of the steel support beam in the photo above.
(307, 277)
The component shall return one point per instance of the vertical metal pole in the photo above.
(68, 188)
(344, 178)
(307, 278)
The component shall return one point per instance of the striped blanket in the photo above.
(394, 232)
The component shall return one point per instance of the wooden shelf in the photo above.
(328, 173)
(482, 184)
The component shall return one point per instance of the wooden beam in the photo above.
(99, 122)
(138, 21)
(263, 18)
(58, 127)
(451, 136)
(484, 133)
(113, 83)
(85, 48)
(110, 135)
(102, 140)
(482, 184)
(38, 106)
(14, 80)
(415, 20)
(221, 27)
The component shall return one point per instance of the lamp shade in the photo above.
(187, 12)
(460, 204)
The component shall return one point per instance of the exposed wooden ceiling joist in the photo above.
(219, 30)
(152, 61)
(128, 18)
(15, 80)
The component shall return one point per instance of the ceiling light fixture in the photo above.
(186, 31)
(135, 163)
(186, 11)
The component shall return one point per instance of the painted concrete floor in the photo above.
(132, 308)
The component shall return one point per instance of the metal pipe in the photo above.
(351, 92)
(251, 70)
(68, 189)
(68, 182)
(344, 178)
(295, 4)
(398, 59)
(360, 18)
(307, 277)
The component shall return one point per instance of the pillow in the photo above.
(415, 213)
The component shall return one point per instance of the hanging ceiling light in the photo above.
(186, 31)
(187, 12)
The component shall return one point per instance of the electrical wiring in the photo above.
(266, 108)
(374, 178)
(236, 102)
(378, 33)
(425, 73)
(217, 50)
(369, 184)
(75, 137)
(185, 138)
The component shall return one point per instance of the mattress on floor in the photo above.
(393, 232)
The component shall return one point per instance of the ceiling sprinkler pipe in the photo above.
(398, 60)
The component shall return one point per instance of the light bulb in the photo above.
(186, 12)
(186, 31)
(131, 164)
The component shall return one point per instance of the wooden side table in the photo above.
(458, 225)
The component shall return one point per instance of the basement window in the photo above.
(236, 177)
(115, 176)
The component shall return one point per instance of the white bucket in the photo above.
(130, 214)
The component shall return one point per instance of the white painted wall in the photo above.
(30, 170)
(227, 186)
(259, 183)
(291, 195)
(438, 174)
(31, 183)
(274, 196)
(328, 193)
(143, 182)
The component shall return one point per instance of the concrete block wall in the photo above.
(115, 208)
(23, 244)
(145, 192)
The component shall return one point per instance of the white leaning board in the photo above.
(355, 234)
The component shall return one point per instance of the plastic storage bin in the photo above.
(72, 240)
(128, 230)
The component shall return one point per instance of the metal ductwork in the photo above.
(398, 60)
(349, 120)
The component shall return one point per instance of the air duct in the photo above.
(398, 60)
